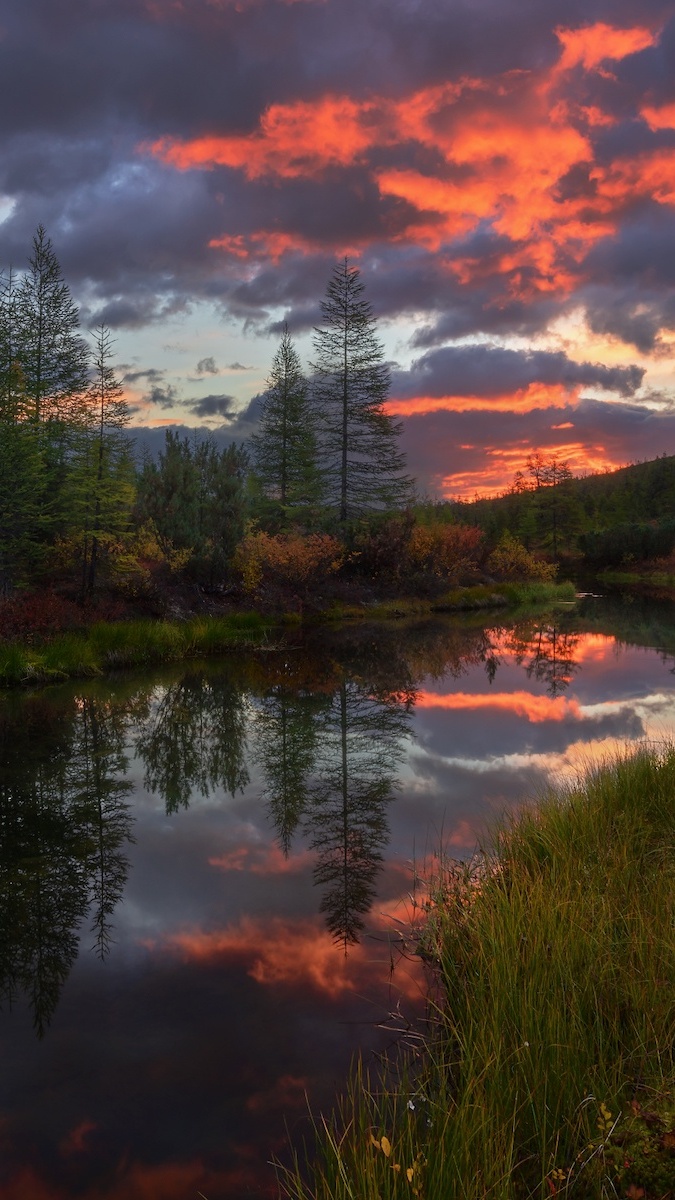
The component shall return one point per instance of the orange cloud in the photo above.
(523, 704)
(598, 43)
(138, 1181)
(277, 951)
(536, 395)
(496, 477)
(505, 143)
(659, 118)
(263, 860)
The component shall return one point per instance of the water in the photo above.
(206, 875)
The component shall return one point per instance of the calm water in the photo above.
(204, 872)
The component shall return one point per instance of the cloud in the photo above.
(164, 395)
(207, 366)
(213, 406)
(482, 376)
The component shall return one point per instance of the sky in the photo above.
(501, 171)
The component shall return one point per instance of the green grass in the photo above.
(106, 647)
(460, 599)
(653, 578)
(550, 1068)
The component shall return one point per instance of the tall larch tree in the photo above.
(105, 476)
(284, 449)
(53, 356)
(363, 468)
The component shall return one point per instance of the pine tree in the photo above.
(284, 449)
(53, 357)
(105, 468)
(362, 466)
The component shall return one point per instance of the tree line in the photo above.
(72, 499)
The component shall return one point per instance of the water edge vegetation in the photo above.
(108, 646)
(548, 1068)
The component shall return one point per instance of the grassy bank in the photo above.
(550, 1069)
(460, 599)
(105, 647)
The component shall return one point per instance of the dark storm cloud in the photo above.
(213, 406)
(100, 80)
(484, 371)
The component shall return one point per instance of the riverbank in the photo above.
(549, 1067)
(106, 646)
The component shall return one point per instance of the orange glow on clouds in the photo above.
(522, 704)
(536, 395)
(262, 860)
(496, 476)
(278, 951)
(595, 44)
(659, 118)
(508, 141)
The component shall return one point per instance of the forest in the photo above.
(317, 501)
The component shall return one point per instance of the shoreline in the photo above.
(547, 1068)
(109, 646)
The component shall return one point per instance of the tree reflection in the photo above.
(63, 825)
(194, 739)
(359, 739)
(287, 728)
(547, 654)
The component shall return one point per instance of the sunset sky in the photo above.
(502, 171)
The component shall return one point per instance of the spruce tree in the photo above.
(105, 474)
(284, 449)
(362, 465)
(53, 356)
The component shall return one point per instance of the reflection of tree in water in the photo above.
(63, 824)
(98, 769)
(359, 748)
(286, 751)
(547, 654)
(194, 739)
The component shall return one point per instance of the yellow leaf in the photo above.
(396, 1166)
(386, 1146)
(374, 1142)
(410, 1172)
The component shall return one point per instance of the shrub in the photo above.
(444, 550)
(510, 560)
(286, 560)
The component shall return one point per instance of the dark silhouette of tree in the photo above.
(284, 448)
(358, 752)
(53, 357)
(194, 739)
(105, 475)
(547, 654)
(286, 751)
(361, 464)
(98, 768)
(63, 825)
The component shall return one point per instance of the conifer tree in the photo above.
(361, 463)
(284, 449)
(105, 476)
(53, 357)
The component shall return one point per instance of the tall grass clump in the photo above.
(550, 1069)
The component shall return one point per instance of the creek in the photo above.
(208, 874)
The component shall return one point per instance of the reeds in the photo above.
(552, 1053)
(107, 646)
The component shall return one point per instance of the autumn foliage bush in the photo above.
(444, 550)
(511, 560)
(286, 560)
(398, 547)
